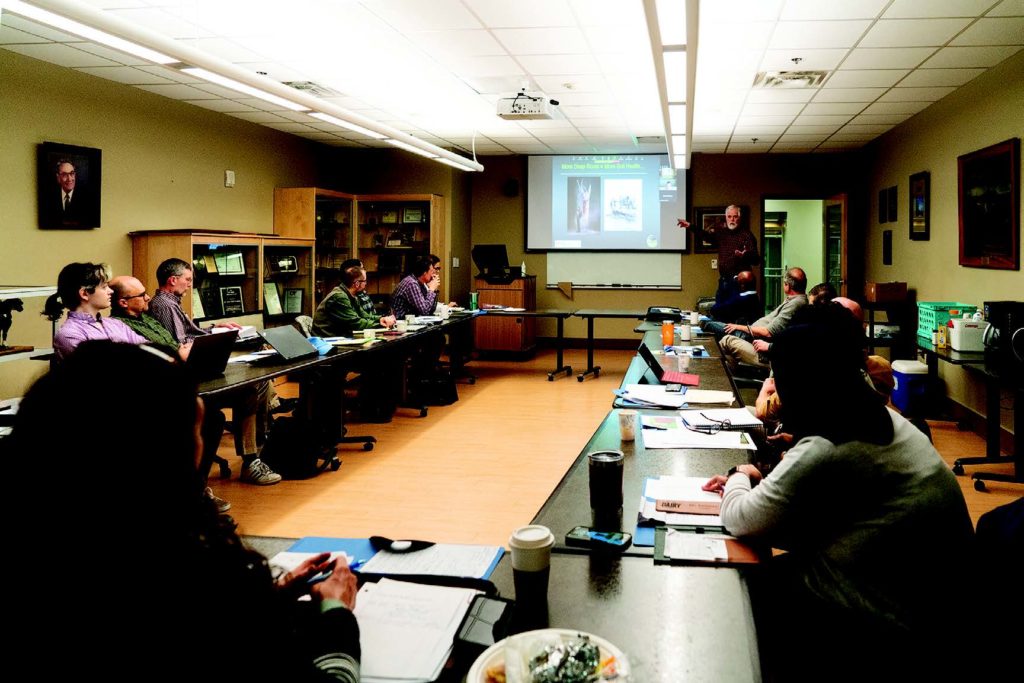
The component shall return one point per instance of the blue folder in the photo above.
(361, 550)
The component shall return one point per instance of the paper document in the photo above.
(681, 545)
(285, 561)
(250, 357)
(683, 494)
(708, 396)
(676, 488)
(406, 630)
(726, 418)
(345, 341)
(685, 438)
(654, 394)
(442, 559)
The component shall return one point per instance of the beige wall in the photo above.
(988, 110)
(163, 167)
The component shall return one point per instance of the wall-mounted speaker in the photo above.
(510, 188)
(887, 247)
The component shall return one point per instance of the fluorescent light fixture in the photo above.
(327, 118)
(679, 160)
(83, 31)
(672, 21)
(411, 148)
(232, 84)
(455, 164)
(678, 144)
(675, 75)
(677, 117)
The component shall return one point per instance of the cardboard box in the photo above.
(885, 292)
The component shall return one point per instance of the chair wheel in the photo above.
(423, 412)
(472, 380)
(979, 485)
(958, 469)
(225, 472)
(335, 464)
(579, 378)
(368, 446)
(597, 373)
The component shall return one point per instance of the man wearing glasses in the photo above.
(130, 305)
(340, 313)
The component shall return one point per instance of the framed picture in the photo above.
(389, 216)
(707, 221)
(68, 186)
(231, 301)
(271, 299)
(229, 263)
(293, 300)
(892, 199)
(920, 206)
(989, 203)
(411, 215)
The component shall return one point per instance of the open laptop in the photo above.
(666, 376)
(289, 343)
(210, 352)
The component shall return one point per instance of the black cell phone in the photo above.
(485, 623)
(585, 537)
(673, 387)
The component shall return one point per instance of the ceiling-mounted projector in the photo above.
(526, 106)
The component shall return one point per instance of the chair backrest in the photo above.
(304, 324)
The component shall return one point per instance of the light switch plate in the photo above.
(714, 264)
(455, 261)
(229, 178)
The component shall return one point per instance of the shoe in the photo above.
(284, 405)
(257, 472)
(222, 505)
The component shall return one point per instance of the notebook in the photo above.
(666, 376)
(209, 354)
(288, 342)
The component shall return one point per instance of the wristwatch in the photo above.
(732, 471)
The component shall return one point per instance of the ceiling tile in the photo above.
(523, 13)
(896, 107)
(876, 129)
(178, 91)
(10, 35)
(740, 11)
(32, 28)
(922, 78)
(772, 108)
(163, 22)
(290, 127)
(708, 148)
(763, 136)
(853, 137)
(816, 9)
(256, 116)
(580, 83)
(111, 54)
(810, 60)
(1002, 31)
(915, 94)
(913, 32)
(821, 120)
(225, 49)
(791, 148)
(60, 54)
(813, 130)
(745, 120)
(836, 145)
(781, 95)
(745, 148)
(223, 106)
(124, 74)
(959, 57)
(915, 9)
(887, 57)
(828, 94)
(539, 41)
(1008, 8)
(457, 44)
(712, 138)
(608, 13)
(413, 15)
(858, 78)
(801, 138)
(547, 65)
(883, 119)
(613, 39)
(746, 36)
(817, 34)
(833, 108)
(488, 67)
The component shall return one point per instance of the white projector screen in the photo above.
(604, 202)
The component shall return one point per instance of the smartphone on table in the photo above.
(585, 537)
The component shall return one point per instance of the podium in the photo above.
(507, 333)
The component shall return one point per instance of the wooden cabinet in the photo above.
(507, 333)
(287, 278)
(322, 215)
(230, 270)
(391, 231)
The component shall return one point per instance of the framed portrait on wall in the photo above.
(68, 183)
(920, 219)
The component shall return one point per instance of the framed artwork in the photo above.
(231, 301)
(988, 182)
(271, 299)
(229, 263)
(707, 221)
(293, 300)
(411, 215)
(69, 181)
(920, 206)
(892, 199)
(887, 247)
(389, 216)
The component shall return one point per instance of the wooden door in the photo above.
(834, 222)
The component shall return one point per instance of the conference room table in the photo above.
(559, 315)
(590, 314)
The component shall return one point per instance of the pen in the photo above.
(355, 567)
(664, 429)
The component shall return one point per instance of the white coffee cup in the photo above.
(410, 319)
(531, 563)
(402, 326)
(694, 318)
(684, 332)
(627, 425)
(369, 334)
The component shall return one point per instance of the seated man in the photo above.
(742, 306)
(340, 313)
(82, 289)
(736, 350)
(248, 406)
(416, 294)
(821, 293)
(364, 300)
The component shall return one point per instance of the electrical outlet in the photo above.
(714, 264)
(455, 261)
(229, 178)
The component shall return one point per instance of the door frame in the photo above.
(843, 199)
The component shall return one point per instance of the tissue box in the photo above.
(966, 334)
(885, 292)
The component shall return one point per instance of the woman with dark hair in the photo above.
(874, 522)
(82, 290)
(161, 586)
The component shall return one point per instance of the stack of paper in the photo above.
(662, 431)
(725, 418)
(685, 491)
(406, 630)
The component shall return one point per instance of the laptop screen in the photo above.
(289, 342)
(651, 361)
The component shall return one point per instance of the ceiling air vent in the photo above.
(650, 140)
(314, 89)
(789, 79)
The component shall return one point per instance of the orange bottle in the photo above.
(667, 333)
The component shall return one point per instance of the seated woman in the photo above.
(131, 589)
(874, 522)
(82, 289)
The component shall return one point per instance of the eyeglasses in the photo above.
(134, 296)
(713, 428)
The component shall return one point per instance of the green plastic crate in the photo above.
(931, 314)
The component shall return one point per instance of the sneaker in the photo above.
(257, 472)
(222, 505)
